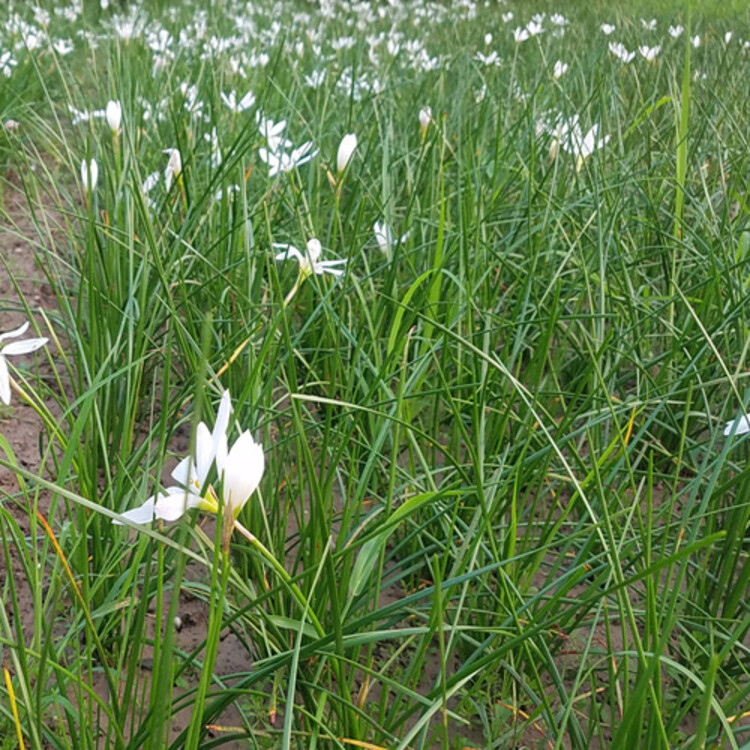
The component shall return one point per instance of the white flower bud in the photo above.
(114, 115)
(89, 175)
(346, 150)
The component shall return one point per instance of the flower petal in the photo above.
(17, 332)
(222, 419)
(140, 515)
(241, 471)
(204, 456)
(738, 426)
(173, 504)
(24, 347)
(4, 381)
(289, 252)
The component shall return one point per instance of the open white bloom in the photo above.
(649, 53)
(174, 166)
(568, 135)
(63, 46)
(507, 17)
(534, 27)
(272, 132)
(315, 79)
(520, 35)
(385, 238)
(309, 261)
(89, 174)
(280, 161)
(230, 100)
(619, 50)
(676, 31)
(114, 115)
(190, 474)
(649, 25)
(493, 58)
(346, 151)
(608, 28)
(556, 19)
(738, 426)
(16, 348)
(560, 69)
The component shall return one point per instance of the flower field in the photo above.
(374, 374)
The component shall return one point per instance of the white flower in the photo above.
(649, 53)
(385, 238)
(230, 100)
(696, 41)
(492, 59)
(174, 166)
(534, 27)
(619, 50)
(558, 20)
(649, 25)
(16, 348)
(272, 132)
(676, 31)
(63, 46)
(425, 117)
(89, 175)
(608, 28)
(738, 426)
(315, 79)
(114, 115)
(568, 134)
(190, 474)
(560, 69)
(507, 17)
(520, 35)
(7, 63)
(280, 161)
(345, 152)
(240, 470)
(728, 37)
(310, 262)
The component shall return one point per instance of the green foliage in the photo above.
(498, 509)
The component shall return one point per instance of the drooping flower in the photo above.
(89, 175)
(16, 348)
(190, 474)
(346, 151)
(309, 261)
